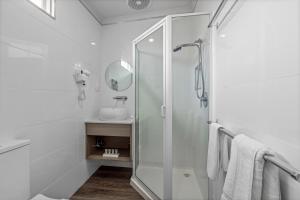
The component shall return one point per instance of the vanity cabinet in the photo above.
(108, 135)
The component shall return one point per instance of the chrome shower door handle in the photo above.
(163, 111)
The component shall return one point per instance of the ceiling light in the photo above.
(222, 36)
(151, 40)
(93, 43)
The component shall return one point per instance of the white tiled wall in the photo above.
(38, 97)
(116, 43)
(257, 80)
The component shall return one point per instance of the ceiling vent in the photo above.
(138, 4)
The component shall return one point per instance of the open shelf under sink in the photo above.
(97, 155)
(112, 136)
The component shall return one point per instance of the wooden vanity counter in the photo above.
(113, 134)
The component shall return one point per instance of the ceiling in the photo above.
(115, 11)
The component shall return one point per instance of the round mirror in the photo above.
(118, 75)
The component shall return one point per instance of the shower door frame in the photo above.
(167, 107)
(167, 143)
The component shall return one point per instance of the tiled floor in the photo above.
(108, 183)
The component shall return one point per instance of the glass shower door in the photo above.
(189, 115)
(149, 125)
(171, 131)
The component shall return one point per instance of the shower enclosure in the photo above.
(172, 107)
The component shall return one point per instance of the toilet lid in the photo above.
(42, 197)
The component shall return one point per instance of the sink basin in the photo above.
(113, 113)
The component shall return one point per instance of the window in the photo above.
(48, 6)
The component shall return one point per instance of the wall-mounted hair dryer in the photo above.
(81, 76)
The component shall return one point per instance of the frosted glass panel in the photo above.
(190, 129)
(149, 123)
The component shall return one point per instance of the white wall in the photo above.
(257, 77)
(116, 44)
(38, 97)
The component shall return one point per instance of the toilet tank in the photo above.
(14, 170)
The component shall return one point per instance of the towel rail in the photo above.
(293, 172)
(217, 13)
(219, 10)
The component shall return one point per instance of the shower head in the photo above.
(177, 48)
(197, 43)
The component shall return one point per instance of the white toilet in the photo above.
(14, 171)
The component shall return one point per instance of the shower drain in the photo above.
(186, 175)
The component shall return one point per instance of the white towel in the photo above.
(216, 185)
(271, 183)
(225, 152)
(244, 178)
(213, 151)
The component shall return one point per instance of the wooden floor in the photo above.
(108, 183)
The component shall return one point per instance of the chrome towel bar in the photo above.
(218, 12)
(293, 172)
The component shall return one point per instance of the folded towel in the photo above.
(225, 152)
(216, 185)
(213, 151)
(244, 180)
(271, 183)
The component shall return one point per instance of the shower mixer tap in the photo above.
(122, 98)
(204, 100)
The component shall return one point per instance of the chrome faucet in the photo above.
(120, 98)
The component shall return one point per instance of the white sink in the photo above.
(111, 113)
